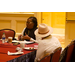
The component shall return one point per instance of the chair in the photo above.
(8, 33)
(46, 58)
(53, 57)
(68, 52)
(56, 55)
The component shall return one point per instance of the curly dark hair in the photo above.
(34, 20)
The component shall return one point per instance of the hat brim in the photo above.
(44, 35)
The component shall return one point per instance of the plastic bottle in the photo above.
(3, 38)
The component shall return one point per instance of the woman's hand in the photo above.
(25, 37)
(19, 37)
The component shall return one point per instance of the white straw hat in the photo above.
(43, 30)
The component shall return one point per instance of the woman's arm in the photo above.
(20, 36)
(23, 31)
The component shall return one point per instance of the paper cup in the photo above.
(22, 44)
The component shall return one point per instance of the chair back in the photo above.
(46, 58)
(8, 33)
(56, 55)
(69, 51)
(53, 57)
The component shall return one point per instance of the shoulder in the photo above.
(24, 29)
(34, 29)
(54, 38)
(56, 41)
(50, 40)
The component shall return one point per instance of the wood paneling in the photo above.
(58, 19)
(69, 32)
(14, 21)
(70, 15)
(46, 18)
(54, 19)
(69, 27)
(5, 24)
(20, 25)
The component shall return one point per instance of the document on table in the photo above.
(26, 42)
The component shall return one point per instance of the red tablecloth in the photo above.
(4, 48)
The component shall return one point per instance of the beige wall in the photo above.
(69, 27)
(15, 21)
(38, 15)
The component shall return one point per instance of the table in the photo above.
(28, 56)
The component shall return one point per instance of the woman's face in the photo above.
(29, 24)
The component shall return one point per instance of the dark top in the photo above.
(30, 33)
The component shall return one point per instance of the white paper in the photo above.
(27, 42)
(10, 53)
(15, 41)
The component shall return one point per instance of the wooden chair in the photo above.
(56, 55)
(46, 58)
(68, 52)
(53, 57)
(8, 33)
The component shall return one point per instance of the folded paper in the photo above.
(16, 53)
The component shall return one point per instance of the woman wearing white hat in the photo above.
(48, 43)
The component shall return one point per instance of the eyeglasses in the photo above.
(29, 22)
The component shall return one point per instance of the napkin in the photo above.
(19, 49)
(19, 52)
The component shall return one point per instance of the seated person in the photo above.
(46, 42)
(28, 32)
